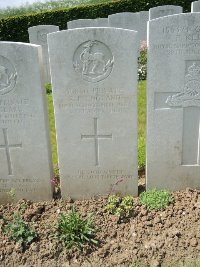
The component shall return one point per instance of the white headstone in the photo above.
(82, 23)
(161, 11)
(125, 20)
(173, 103)
(25, 155)
(144, 17)
(38, 35)
(95, 101)
(132, 21)
(195, 7)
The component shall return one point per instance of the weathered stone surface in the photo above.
(195, 6)
(132, 21)
(161, 11)
(38, 36)
(125, 20)
(95, 101)
(82, 23)
(144, 17)
(173, 103)
(25, 156)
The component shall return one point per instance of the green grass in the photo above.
(73, 230)
(156, 199)
(141, 125)
(52, 129)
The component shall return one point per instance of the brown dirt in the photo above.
(151, 238)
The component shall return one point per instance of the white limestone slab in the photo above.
(38, 36)
(125, 20)
(95, 101)
(132, 21)
(82, 23)
(144, 17)
(173, 103)
(195, 6)
(161, 11)
(25, 155)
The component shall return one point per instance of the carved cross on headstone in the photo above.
(96, 138)
(189, 101)
(7, 147)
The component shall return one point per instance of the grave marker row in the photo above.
(95, 101)
(126, 20)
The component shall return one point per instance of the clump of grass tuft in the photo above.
(73, 230)
(156, 199)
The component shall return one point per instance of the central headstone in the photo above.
(95, 101)
(161, 11)
(25, 154)
(82, 23)
(173, 97)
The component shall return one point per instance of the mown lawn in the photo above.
(141, 125)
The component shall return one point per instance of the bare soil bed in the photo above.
(148, 238)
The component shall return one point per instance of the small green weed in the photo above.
(72, 230)
(48, 88)
(22, 207)
(12, 193)
(141, 153)
(121, 207)
(20, 231)
(156, 199)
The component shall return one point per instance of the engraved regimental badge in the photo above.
(93, 60)
(8, 76)
(42, 36)
(191, 91)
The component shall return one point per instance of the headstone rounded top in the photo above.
(82, 23)
(43, 26)
(123, 13)
(38, 34)
(165, 10)
(92, 30)
(195, 7)
(176, 17)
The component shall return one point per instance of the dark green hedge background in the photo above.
(16, 28)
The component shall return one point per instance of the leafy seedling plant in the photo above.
(121, 207)
(73, 230)
(156, 199)
(20, 231)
